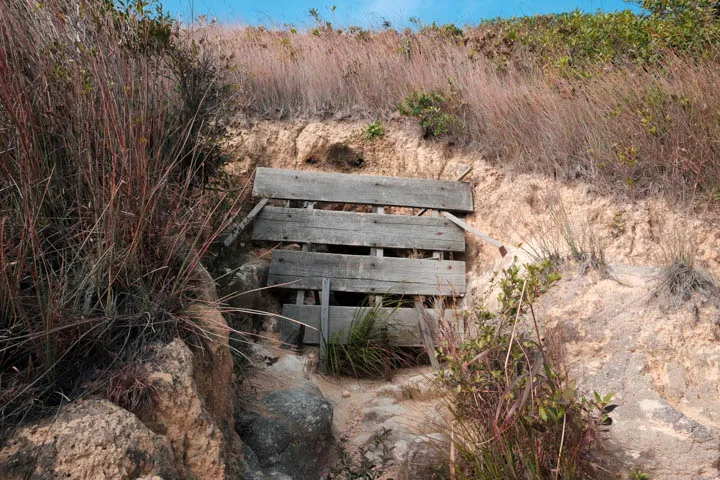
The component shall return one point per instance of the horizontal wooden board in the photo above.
(363, 189)
(402, 323)
(358, 229)
(357, 273)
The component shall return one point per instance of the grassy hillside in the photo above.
(627, 101)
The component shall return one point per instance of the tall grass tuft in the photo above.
(364, 350)
(104, 143)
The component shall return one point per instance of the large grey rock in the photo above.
(289, 431)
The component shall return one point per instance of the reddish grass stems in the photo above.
(101, 228)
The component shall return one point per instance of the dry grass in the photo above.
(680, 278)
(641, 130)
(103, 145)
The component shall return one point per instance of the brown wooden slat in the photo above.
(402, 323)
(358, 229)
(363, 189)
(356, 273)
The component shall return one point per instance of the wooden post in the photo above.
(438, 301)
(427, 336)
(300, 298)
(324, 320)
(482, 236)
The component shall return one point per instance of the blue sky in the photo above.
(370, 13)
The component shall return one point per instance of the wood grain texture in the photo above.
(236, 230)
(374, 230)
(401, 323)
(356, 273)
(363, 189)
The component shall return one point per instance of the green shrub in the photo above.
(364, 350)
(516, 416)
(432, 109)
(374, 130)
(576, 40)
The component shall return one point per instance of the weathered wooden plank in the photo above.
(357, 273)
(482, 236)
(237, 229)
(401, 323)
(462, 175)
(363, 189)
(358, 229)
(376, 300)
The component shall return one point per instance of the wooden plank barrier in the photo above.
(362, 189)
(386, 271)
(357, 273)
(374, 230)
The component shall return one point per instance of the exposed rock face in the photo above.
(186, 432)
(289, 431)
(660, 359)
(244, 290)
(178, 413)
(92, 440)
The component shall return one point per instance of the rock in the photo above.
(289, 431)
(243, 288)
(178, 412)
(346, 394)
(88, 439)
(655, 359)
(417, 387)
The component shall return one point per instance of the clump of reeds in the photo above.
(103, 144)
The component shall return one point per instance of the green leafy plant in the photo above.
(432, 109)
(515, 414)
(639, 475)
(374, 130)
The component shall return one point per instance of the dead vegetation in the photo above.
(107, 128)
(680, 278)
(637, 129)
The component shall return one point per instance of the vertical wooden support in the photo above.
(300, 298)
(377, 252)
(425, 330)
(438, 302)
(324, 319)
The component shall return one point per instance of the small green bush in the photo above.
(374, 130)
(432, 109)
(364, 350)
(516, 415)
